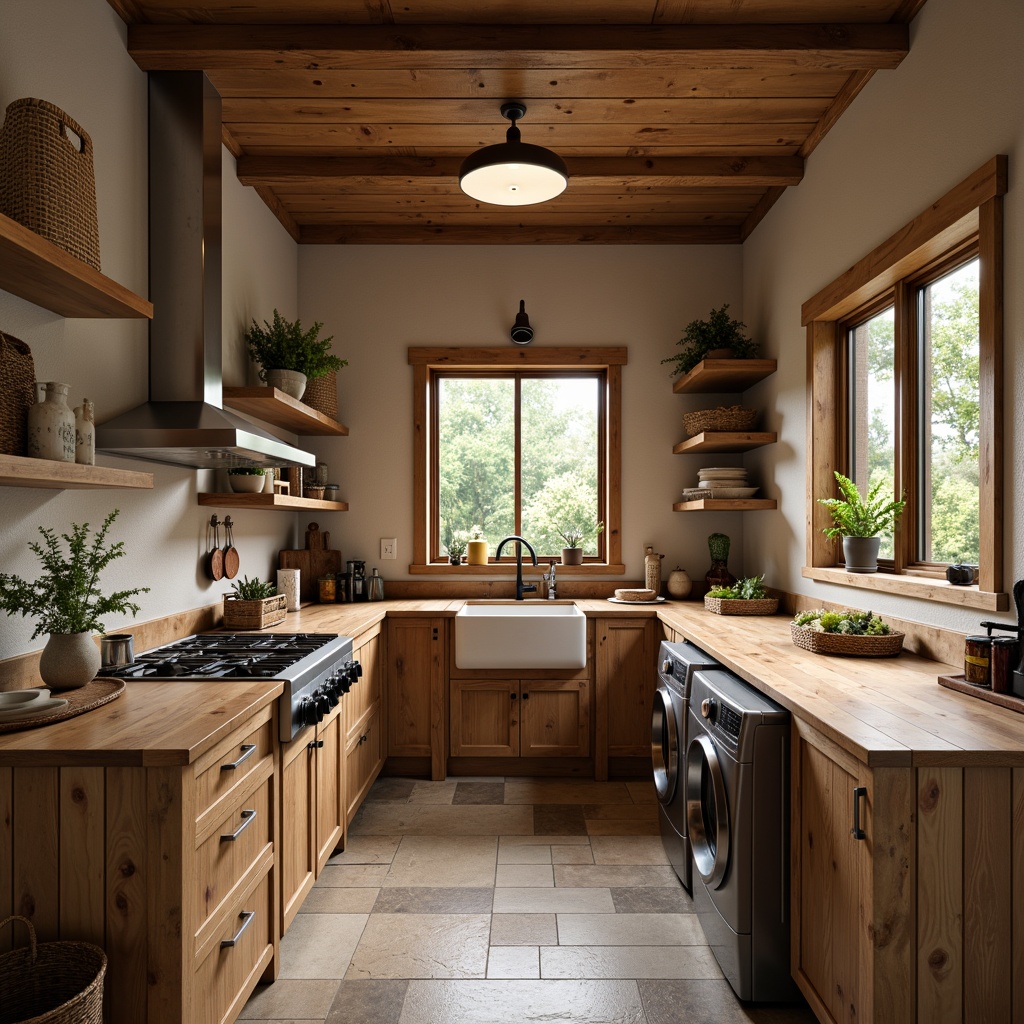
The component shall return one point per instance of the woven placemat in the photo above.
(93, 695)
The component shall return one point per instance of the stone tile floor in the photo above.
(487, 901)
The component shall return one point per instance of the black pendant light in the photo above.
(513, 173)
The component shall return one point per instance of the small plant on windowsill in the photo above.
(718, 337)
(456, 547)
(860, 521)
(574, 531)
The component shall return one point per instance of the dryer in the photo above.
(736, 780)
(678, 662)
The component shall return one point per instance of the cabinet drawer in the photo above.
(228, 973)
(247, 751)
(222, 861)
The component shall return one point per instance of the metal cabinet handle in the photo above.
(857, 832)
(247, 819)
(247, 749)
(314, 744)
(246, 916)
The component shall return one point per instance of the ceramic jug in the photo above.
(51, 425)
(85, 434)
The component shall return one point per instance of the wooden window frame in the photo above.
(427, 361)
(969, 215)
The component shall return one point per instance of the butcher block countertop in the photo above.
(884, 711)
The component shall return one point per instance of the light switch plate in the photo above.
(388, 547)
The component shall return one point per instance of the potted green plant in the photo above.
(66, 601)
(253, 604)
(747, 596)
(859, 521)
(574, 529)
(718, 337)
(456, 546)
(289, 356)
(247, 479)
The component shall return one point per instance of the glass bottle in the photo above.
(85, 434)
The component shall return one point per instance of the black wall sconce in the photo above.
(522, 332)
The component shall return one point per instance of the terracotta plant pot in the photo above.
(572, 556)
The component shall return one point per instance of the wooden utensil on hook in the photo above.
(231, 559)
(215, 560)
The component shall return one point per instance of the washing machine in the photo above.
(678, 662)
(736, 780)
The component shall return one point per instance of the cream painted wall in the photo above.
(911, 135)
(72, 53)
(380, 300)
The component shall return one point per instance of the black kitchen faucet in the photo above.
(520, 588)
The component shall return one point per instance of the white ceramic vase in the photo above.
(85, 434)
(291, 382)
(69, 660)
(679, 583)
(51, 425)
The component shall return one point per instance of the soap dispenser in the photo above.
(375, 587)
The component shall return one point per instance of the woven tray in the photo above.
(93, 695)
(736, 606)
(843, 643)
(1004, 700)
(732, 417)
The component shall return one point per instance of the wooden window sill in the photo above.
(506, 570)
(911, 586)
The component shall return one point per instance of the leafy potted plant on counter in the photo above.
(289, 356)
(718, 337)
(863, 634)
(246, 479)
(253, 604)
(859, 521)
(747, 596)
(66, 602)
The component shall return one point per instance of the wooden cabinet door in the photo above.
(297, 858)
(627, 651)
(554, 718)
(363, 760)
(330, 786)
(485, 717)
(415, 691)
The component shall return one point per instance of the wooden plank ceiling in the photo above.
(681, 121)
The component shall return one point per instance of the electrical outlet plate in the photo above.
(388, 547)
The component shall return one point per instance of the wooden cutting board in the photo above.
(315, 560)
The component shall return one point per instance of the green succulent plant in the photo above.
(253, 590)
(247, 471)
(848, 622)
(284, 345)
(751, 588)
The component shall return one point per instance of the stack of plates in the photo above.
(725, 482)
(18, 704)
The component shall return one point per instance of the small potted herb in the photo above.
(289, 356)
(718, 337)
(747, 596)
(253, 604)
(246, 479)
(456, 546)
(575, 529)
(859, 521)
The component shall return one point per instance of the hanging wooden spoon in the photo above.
(231, 558)
(216, 555)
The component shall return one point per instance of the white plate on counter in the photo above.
(618, 600)
(18, 700)
(43, 707)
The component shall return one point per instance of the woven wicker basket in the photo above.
(17, 393)
(47, 183)
(254, 614)
(732, 417)
(735, 606)
(51, 983)
(887, 646)
(322, 394)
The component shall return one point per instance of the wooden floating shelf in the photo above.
(262, 500)
(725, 505)
(18, 471)
(724, 441)
(274, 406)
(37, 270)
(724, 375)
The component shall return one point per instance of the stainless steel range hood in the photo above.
(184, 422)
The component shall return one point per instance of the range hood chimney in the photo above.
(184, 422)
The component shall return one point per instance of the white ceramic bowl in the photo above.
(246, 484)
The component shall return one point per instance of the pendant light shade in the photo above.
(513, 173)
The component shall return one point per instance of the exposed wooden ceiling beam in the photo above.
(650, 234)
(365, 172)
(850, 47)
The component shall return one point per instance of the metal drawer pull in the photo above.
(247, 749)
(314, 744)
(247, 916)
(247, 818)
(857, 832)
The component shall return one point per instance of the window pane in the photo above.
(872, 427)
(476, 457)
(559, 461)
(950, 406)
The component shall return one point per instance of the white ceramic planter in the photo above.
(69, 660)
(246, 483)
(289, 381)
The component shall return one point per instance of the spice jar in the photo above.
(327, 589)
(977, 660)
(1005, 657)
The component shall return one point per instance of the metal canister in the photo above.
(327, 589)
(1005, 658)
(978, 660)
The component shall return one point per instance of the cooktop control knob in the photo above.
(707, 708)
(323, 705)
(307, 711)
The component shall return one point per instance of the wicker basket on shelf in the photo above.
(321, 394)
(732, 417)
(17, 393)
(735, 606)
(863, 646)
(51, 982)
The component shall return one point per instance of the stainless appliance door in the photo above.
(707, 810)
(664, 745)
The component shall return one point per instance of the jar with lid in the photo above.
(327, 589)
(977, 660)
(1004, 659)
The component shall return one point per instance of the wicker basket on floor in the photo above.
(813, 640)
(52, 982)
(732, 417)
(321, 394)
(47, 181)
